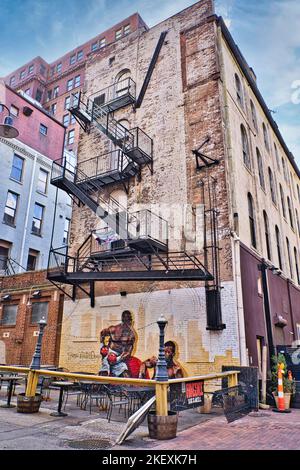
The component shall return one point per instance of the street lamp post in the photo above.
(7, 129)
(36, 358)
(161, 366)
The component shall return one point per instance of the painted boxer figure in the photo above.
(174, 369)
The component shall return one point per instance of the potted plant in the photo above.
(289, 385)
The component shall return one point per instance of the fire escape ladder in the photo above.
(150, 69)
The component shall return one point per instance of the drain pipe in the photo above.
(239, 300)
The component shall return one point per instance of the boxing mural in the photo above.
(117, 343)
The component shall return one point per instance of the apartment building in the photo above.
(28, 202)
(53, 84)
(174, 119)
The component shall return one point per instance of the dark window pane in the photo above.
(9, 314)
(39, 310)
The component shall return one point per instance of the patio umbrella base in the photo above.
(7, 406)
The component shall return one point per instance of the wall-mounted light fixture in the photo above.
(7, 129)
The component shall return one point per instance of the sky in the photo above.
(266, 31)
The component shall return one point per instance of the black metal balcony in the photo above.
(147, 232)
(108, 168)
(116, 96)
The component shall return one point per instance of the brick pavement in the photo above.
(264, 430)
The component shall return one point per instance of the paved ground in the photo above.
(82, 430)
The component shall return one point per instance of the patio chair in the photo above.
(97, 393)
(117, 398)
(75, 390)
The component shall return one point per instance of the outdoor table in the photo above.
(62, 386)
(11, 379)
(142, 392)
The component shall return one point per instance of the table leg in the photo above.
(59, 412)
(9, 393)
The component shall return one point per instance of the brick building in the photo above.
(25, 298)
(52, 84)
(180, 123)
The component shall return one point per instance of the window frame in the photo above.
(22, 168)
(15, 209)
(41, 170)
(39, 231)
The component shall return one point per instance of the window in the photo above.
(80, 55)
(272, 186)
(17, 168)
(253, 115)
(127, 29)
(99, 100)
(43, 128)
(296, 264)
(245, 146)
(67, 102)
(266, 137)
(12, 81)
(72, 119)
(282, 201)
(70, 84)
(59, 67)
(37, 222)
(72, 59)
(267, 236)
(38, 311)
(49, 95)
(28, 92)
(56, 92)
(251, 220)
(284, 169)
(4, 255)
(42, 181)
(9, 315)
(298, 330)
(290, 212)
(94, 46)
(298, 191)
(77, 81)
(71, 136)
(111, 60)
(66, 120)
(102, 43)
(260, 170)
(22, 74)
(11, 208)
(66, 231)
(277, 156)
(119, 33)
(42, 69)
(239, 90)
(298, 222)
(32, 260)
(30, 68)
(14, 111)
(278, 244)
(52, 71)
(289, 257)
(38, 95)
(53, 108)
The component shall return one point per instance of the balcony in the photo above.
(115, 96)
(108, 168)
(147, 232)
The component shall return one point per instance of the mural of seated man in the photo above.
(116, 346)
(174, 369)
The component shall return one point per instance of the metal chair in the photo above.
(97, 393)
(117, 398)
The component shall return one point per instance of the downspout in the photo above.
(232, 203)
(267, 308)
(239, 300)
(27, 216)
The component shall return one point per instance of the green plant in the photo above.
(289, 385)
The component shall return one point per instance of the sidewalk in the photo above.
(81, 430)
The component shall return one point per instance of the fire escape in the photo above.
(134, 246)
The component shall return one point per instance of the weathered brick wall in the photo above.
(17, 342)
(182, 106)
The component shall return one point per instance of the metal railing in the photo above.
(147, 225)
(114, 92)
(9, 266)
(161, 388)
(110, 162)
